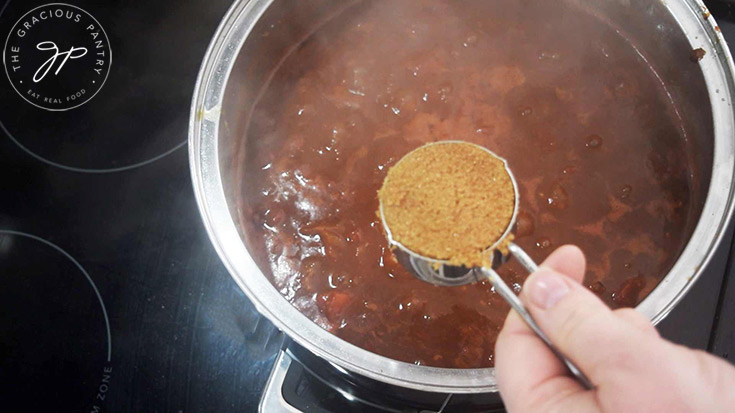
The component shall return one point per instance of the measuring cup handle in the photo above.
(525, 260)
(502, 288)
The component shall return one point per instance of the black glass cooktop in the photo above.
(111, 296)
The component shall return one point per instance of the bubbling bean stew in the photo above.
(587, 127)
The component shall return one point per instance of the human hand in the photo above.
(632, 367)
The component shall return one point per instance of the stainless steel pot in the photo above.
(256, 34)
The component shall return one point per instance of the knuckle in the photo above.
(638, 320)
(630, 314)
(616, 360)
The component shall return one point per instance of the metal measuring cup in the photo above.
(439, 272)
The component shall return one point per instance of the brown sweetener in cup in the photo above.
(450, 201)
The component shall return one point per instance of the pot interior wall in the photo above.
(649, 28)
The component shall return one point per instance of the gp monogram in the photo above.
(73, 53)
(57, 57)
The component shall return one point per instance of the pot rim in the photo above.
(221, 227)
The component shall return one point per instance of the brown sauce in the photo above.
(588, 130)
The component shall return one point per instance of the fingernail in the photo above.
(547, 289)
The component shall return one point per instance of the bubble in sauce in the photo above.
(625, 191)
(597, 287)
(470, 40)
(593, 141)
(524, 224)
(569, 169)
(543, 243)
(559, 198)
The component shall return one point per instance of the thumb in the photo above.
(582, 326)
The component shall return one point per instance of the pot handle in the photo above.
(272, 399)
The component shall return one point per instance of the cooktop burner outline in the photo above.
(79, 266)
(128, 164)
(88, 170)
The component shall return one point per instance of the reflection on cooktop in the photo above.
(54, 321)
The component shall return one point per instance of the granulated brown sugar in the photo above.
(450, 201)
